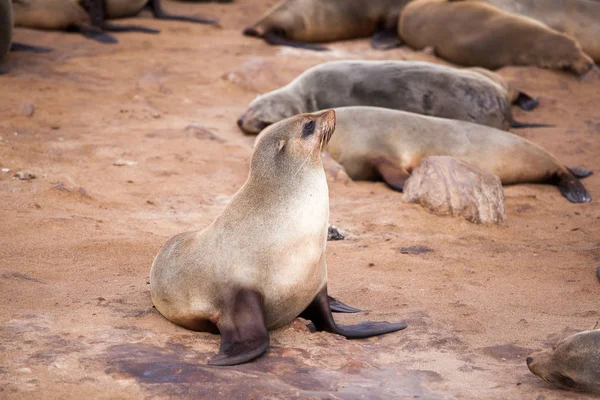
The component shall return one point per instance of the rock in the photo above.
(446, 186)
(122, 163)
(28, 110)
(25, 175)
(414, 250)
(255, 75)
(335, 233)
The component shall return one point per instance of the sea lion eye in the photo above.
(308, 129)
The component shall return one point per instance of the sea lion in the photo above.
(261, 263)
(515, 96)
(476, 34)
(414, 86)
(297, 23)
(573, 364)
(89, 17)
(374, 143)
(577, 18)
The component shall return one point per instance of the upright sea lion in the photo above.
(573, 364)
(374, 143)
(261, 263)
(89, 17)
(418, 87)
(477, 34)
(297, 23)
(579, 19)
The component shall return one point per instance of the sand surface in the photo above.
(76, 242)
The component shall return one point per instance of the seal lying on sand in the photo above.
(297, 23)
(579, 19)
(573, 364)
(261, 263)
(476, 34)
(377, 143)
(419, 87)
(89, 17)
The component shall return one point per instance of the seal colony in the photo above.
(261, 263)
(376, 143)
(418, 87)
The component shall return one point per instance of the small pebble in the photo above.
(25, 176)
(5, 170)
(28, 110)
(414, 250)
(121, 163)
(335, 233)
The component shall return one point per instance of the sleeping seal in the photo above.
(374, 143)
(418, 87)
(261, 263)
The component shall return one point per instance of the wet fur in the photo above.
(376, 143)
(477, 34)
(418, 87)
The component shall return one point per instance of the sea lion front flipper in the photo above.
(393, 176)
(273, 37)
(244, 334)
(159, 13)
(337, 306)
(95, 33)
(526, 102)
(26, 47)
(107, 26)
(385, 40)
(319, 313)
(572, 189)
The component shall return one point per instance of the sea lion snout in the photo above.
(529, 360)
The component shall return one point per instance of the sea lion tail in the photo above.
(517, 124)
(580, 172)
(572, 188)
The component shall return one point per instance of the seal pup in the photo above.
(577, 18)
(415, 86)
(476, 34)
(261, 263)
(89, 17)
(573, 364)
(299, 23)
(374, 143)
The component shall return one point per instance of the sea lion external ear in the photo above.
(244, 334)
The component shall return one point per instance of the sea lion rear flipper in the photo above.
(572, 189)
(275, 38)
(159, 13)
(393, 176)
(95, 33)
(337, 306)
(244, 334)
(385, 40)
(107, 26)
(580, 172)
(517, 124)
(526, 102)
(319, 313)
(26, 47)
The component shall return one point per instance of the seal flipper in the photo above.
(244, 334)
(517, 124)
(571, 188)
(337, 306)
(26, 47)
(385, 40)
(526, 102)
(580, 172)
(275, 38)
(319, 313)
(159, 13)
(393, 176)
(95, 33)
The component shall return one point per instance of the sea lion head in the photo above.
(291, 145)
(573, 364)
(267, 109)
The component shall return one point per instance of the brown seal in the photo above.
(577, 18)
(297, 23)
(477, 34)
(419, 87)
(89, 17)
(377, 143)
(261, 263)
(573, 364)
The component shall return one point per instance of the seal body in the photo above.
(418, 87)
(375, 143)
(577, 18)
(573, 364)
(6, 27)
(477, 34)
(49, 14)
(293, 22)
(261, 263)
